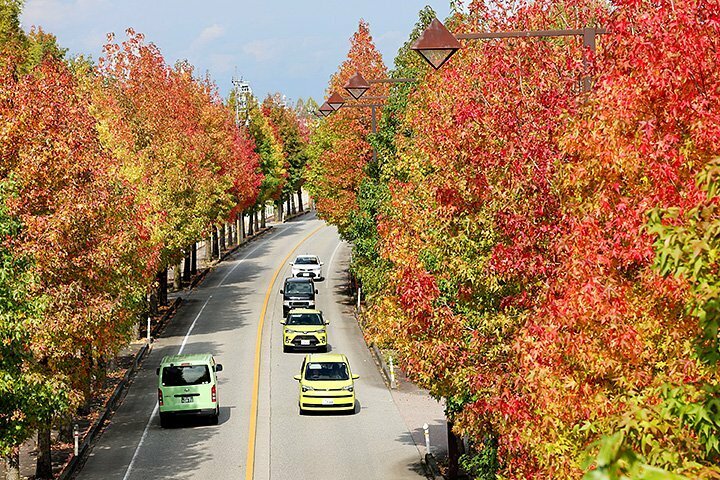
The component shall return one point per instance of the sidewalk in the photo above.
(417, 408)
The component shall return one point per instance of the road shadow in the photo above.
(192, 421)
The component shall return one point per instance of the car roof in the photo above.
(195, 358)
(327, 357)
(298, 280)
(304, 310)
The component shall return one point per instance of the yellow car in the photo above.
(305, 328)
(326, 383)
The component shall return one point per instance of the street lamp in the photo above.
(336, 101)
(435, 46)
(325, 109)
(357, 86)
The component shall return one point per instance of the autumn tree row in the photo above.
(545, 260)
(110, 173)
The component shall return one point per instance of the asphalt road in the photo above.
(222, 316)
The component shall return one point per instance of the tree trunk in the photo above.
(279, 211)
(263, 214)
(453, 452)
(43, 467)
(287, 205)
(250, 224)
(292, 204)
(12, 465)
(221, 239)
(214, 245)
(162, 287)
(177, 278)
(187, 267)
(238, 229)
(300, 202)
(257, 222)
(231, 233)
(208, 248)
(193, 259)
(65, 430)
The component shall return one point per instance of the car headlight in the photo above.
(291, 331)
(322, 330)
(349, 388)
(307, 388)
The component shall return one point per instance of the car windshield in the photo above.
(181, 375)
(302, 288)
(306, 261)
(305, 319)
(326, 371)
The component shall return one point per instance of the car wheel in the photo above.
(285, 312)
(302, 412)
(164, 420)
(286, 349)
(323, 349)
(215, 417)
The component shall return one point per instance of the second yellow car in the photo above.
(305, 328)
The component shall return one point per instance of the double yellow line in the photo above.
(250, 460)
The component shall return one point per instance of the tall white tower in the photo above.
(243, 92)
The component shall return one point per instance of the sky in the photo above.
(286, 46)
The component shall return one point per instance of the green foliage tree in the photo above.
(28, 396)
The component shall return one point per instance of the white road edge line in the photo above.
(238, 263)
(155, 410)
(187, 335)
(332, 257)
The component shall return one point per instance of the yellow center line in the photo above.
(250, 461)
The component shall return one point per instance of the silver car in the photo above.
(307, 266)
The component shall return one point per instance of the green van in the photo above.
(187, 385)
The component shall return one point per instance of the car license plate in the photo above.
(186, 399)
(304, 342)
(328, 401)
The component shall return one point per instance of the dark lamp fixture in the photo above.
(436, 44)
(336, 101)
(325, 109)
(357, 86)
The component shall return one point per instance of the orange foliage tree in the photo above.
(340, 150)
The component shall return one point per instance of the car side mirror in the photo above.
(282, 292)
(321, 264)
(218, 367)
(297, 377)
(282, 323)
(327, 323)
(157, 371)
(316, 291)
(355, 377)
(291, 264)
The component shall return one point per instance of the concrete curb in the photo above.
(380, 360)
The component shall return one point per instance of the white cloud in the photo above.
(209, 34)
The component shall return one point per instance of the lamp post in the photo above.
(436, 44)
(356, 86)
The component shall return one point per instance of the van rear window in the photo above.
(178, 376)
